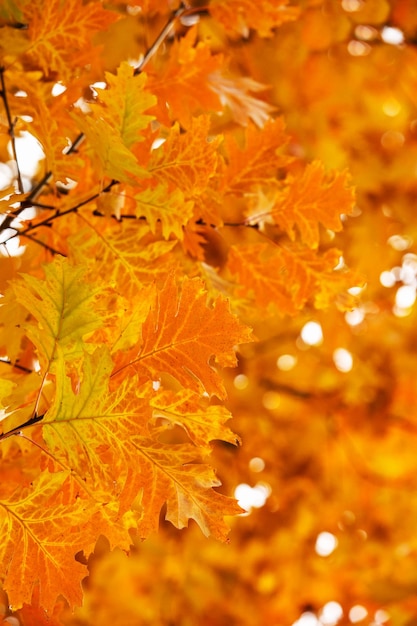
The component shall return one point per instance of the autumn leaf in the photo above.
(172, 210)
(61, 36)
(187, 161)
(202, 423)
(125, 101)
(258, 161)
(290, 276)
(309, 200)
(183, 81)
(182, 334)
(168, 475)
(41, 528)
(262, 17)
(62, 305)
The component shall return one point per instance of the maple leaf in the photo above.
(63, 307)
(290, 276)
(181, 336)
(307, 201)
(61, 34)
(41, 529)
(187, 161)
(202, 423)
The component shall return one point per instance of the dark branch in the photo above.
(11, 125)
(16, 431)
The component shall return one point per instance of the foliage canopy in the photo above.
(220, 222)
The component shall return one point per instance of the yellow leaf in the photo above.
(169, 208)
(124, 104)
(62, 305)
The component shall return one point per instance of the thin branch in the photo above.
(151, 51)
(15, 364)
(11, 125)
(43, 244)
(16, 431)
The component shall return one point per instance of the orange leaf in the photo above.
(306, 201)
(202, 423)
(41, 529)
(61, 34)
(183, 82)
(182, 335)
(289, 277)
(187, 161)
(167, 476)
(262, 16)
(257, 163)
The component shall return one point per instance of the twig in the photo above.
(161, 37)
(11, 125)
(16, 431)
(16, 365)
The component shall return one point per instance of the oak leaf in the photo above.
(61, 35)
(202, 423)
(183, 81)
(125, 101)
(187, 161)
(62, 305)
(169, 476)
(171, 209)
(257, 162)
(41, 529)
(290, 276)
(182, 335)
(306, 201)
(261, 16)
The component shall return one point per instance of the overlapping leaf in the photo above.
(171, 209)
(256, 163)
(182, 83)
(41, 529)
(307, 201)
(62, 305)
(169, 476)
(187, 161)
(290, 276)
(202, 423)
(61, 35)
(103, 436)
(261, 16)
(182, 336)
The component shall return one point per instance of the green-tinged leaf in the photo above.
(125, 102)
(62, 305)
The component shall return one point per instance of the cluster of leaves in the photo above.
(173, 212)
